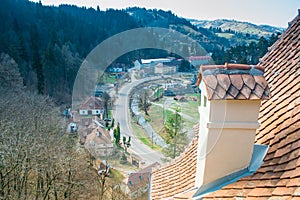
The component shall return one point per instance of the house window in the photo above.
(204, 101)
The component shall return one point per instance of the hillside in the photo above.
(238, 26)
(48, 50)
(166, 19)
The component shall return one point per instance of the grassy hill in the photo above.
(238, 26)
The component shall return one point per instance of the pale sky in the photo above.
(270, 12)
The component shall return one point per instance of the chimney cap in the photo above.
(234, 82)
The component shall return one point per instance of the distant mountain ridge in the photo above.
(238, 26)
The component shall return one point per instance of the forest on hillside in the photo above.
(49, 43)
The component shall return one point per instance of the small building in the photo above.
(199, 60)
(92, 106)
(162, 69)
(99, 143)
(137, 183)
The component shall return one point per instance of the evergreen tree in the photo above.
(36, 63)
(117, 135)
(176, 139)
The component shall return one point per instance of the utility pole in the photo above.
(152, 139)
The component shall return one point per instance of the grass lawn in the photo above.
(140, 134)
(189, 109)
(107, 78)
(156, 116)
(116, 175)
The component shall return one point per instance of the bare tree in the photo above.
(38, 160)
(144, 101)
(9, 73)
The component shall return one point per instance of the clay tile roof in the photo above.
(177, 177)
(91, 103)
(234, 81)
(279, 176)
(99, 136)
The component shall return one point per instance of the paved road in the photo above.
(121, 115)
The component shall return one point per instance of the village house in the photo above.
(137, 183)
(222, 161)
(199, 60)
(99, 142)
(92, 106)
(163, 69)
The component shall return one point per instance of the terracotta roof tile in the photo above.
(255, 198)
(258, 90)
(293, 182)
(267, 183)
(224, 79)
(220, 92)
(260, 80)
(237, 81)
(178, 176)
(261, 192)
(211, 81)
(283, 182)
(233, 91)
(249, 80)
(297, 192)
(283, 191)
(291, 173)
(279, 198)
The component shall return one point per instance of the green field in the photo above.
(189, 110)
(225, 35)
(140, 134)
(107, 78)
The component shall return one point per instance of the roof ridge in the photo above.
(232, 66)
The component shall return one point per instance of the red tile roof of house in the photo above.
(178, 176)
(91, 103)
(234, 81)
(141, 178)
(193, 58)
(99, 136)
(279, 176)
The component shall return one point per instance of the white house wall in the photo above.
(83, 112)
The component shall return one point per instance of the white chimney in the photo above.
(231, 95)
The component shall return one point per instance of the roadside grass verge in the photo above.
(140, 134)
(156, 116)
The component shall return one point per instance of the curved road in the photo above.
(121, 115)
